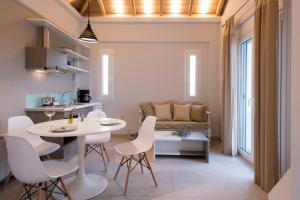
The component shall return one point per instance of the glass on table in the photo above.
(49, 113)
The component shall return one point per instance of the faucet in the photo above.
(62, 96)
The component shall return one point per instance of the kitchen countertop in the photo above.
(63, 108)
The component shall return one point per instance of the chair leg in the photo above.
(39, 193)
(102, 155)
(7, 180)
(48, 157)
(150, 168)
(128, 174)
(20, 190)
(104, 149)
(86, 149)
(140, 158)
(118, 168)
(45, 187)
(65, 188)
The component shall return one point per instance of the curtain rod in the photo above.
(238, 10)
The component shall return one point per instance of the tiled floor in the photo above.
(178, 178)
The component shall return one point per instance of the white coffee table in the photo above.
(83, 186)
(195, 144)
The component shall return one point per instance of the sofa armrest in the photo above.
(208, 118)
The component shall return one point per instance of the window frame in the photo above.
(187, 54)
(110, 54)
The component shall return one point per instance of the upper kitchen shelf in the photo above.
(72, 54)
(66, 36)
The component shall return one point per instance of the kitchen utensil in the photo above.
(47, 101)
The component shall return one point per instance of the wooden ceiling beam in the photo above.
(161, 8)
(101, 7)
(221, 7)
(191, 4)
(133, 8)
(84, 7)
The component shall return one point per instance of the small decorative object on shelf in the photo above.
(182, 132)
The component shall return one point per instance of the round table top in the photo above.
(89, 126)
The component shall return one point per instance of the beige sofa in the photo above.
(203, 126)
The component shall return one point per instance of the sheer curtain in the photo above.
(266, 162)
(229, 78)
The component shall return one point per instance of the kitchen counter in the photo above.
(63, 108)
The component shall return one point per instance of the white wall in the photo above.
(149, 65)
(295, 98)
(56, 12)
(15, 80)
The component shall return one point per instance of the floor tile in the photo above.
(178, 178)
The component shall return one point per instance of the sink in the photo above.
(77, 104)
(68, 105)
(61, 106)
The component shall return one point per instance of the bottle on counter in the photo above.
(70, 117)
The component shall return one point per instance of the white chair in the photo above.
(17, 126)
(96, 142)
(136, 150)
(27, 167)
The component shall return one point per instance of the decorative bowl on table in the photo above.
(182, 132)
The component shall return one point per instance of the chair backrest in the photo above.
(146, 132)
(96, 113)
(18, 125)
(24, 161)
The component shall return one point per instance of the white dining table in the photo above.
(83, 185)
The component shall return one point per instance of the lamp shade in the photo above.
(88, 35)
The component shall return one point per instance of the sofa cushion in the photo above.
(198, 113)
(171, 125)
(147, 109)
(163, 111)
(182, 112)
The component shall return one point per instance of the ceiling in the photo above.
(101, 8)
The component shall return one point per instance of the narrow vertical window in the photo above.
(192, 74)
(106, 79)
(105, 64)
(192, 78)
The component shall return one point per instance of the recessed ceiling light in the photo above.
(148, 7)
(204, 6)
(175, 7)
(119, 7)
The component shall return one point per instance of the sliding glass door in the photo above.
(246, 104)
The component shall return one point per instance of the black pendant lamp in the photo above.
(88, 34)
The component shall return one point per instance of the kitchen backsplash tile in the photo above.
(35, 100)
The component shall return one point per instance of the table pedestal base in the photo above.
(86, 187)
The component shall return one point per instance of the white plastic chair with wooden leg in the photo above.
(27, 167)
(136, 150)
(96, 142)
(17, 126)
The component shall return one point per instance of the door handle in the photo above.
(250, 101)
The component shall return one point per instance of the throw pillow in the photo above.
(182, 112)
(198, 113)
(147, 109)
(163, 111)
